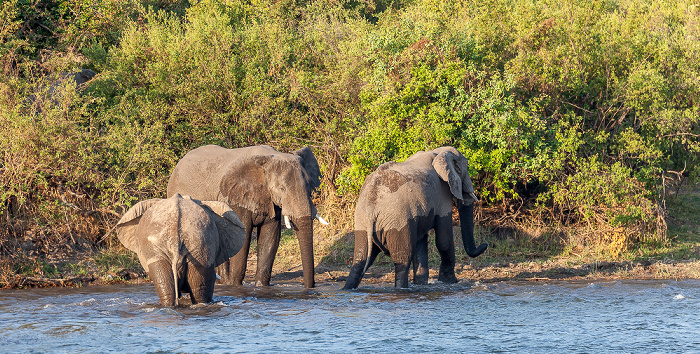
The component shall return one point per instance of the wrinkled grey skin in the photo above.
(400, 202)
(50, 92)
(261, 185)
(179, 242)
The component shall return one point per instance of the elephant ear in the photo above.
(447, 165)
(310, 164)
(126, 227)
(230, 227)
(245, 185)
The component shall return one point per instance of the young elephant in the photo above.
(179, 242)
(400, 202)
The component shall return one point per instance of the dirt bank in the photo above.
(494, 272)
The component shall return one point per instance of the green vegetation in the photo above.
(574, 116)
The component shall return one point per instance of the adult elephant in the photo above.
(179, 242)
(400, 202)
(262, 185)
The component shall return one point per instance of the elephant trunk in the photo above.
(466, 217)
(305, 232)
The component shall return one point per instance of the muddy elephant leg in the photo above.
(444, 242)
(161, 273)
(420, 261)
(360, 261)
(401, 274)
(268, 243)
(401, 245)
(232, 272)
(201, 283)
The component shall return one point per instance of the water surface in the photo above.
(611, 316)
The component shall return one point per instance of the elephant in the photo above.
(400, 202)
(179, 242)
(262, 186)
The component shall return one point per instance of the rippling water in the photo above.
(619, 316)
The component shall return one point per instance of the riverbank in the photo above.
(487, 273)
(514, 257)
(119, 267)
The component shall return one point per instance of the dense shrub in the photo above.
(569, 111)
(589, 102)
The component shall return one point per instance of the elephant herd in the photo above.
(218, 196)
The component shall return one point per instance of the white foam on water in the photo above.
(88, 302)
(679, 297)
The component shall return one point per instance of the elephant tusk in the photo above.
(218, 277)
(474, 197)
(287, 223)
(321, 220)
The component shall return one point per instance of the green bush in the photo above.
(571, 111)
(589, 101)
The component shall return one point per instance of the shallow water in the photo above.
(617, 316)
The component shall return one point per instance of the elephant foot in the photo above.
(448, 279)
(420, 279)
(420, 282)
(261, 283)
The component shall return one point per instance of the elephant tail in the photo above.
(176, 251)
(175, 283)
(370, 239)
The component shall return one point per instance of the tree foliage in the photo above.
(572, 112)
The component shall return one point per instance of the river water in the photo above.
(635, 316)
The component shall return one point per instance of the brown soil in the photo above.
(531, 271)
(382, 274)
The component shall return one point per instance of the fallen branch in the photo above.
(21, 281)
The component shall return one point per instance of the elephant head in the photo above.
(453, 168)
(181, 233)
(269, 184)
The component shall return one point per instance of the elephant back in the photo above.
(197, 233)
(395, 192)
(198, 173)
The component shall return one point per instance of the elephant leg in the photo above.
(232, 272)
(161, 273)
(420, 262)
(401, 246)
(401, 274)
(201, 281)
(360, 262)
(268, 243)
(444, 242)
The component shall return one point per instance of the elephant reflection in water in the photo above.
(400, 202)
(179, 242)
